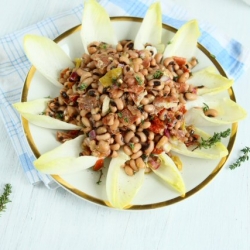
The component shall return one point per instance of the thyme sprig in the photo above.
(213, 139)
(241, 159)
(206, 107)
(4, 198)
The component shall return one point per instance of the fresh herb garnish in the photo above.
(214, 139)
(158, 74)
(42, 113)
(100, 177)
(175, 78)
(4, 198)
(126, 119)
(82, 87)
(241, 159)
(138, 79)
(103, 46)
(59, 115)
(119, 114)
(169, 42)
(206, 107)
(132, 145)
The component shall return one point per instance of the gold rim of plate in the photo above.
(81, 194)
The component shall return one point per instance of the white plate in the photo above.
(154, 193)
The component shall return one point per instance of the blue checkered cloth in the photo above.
(14, 65)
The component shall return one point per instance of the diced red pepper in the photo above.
(98, 165)
(180, 60)
(156, 125)
(157, 151)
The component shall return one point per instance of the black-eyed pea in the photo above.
(211, 113)
(98, 124)
(136, 155)
(129, 135)
(119, 47)
(190, 96)
(167, 61)
(144, 72)
(151, 136)
(115, 125)
(103, 146)
(114, 154)
(144, 101)
(115, 147)
(95, 111)
(86, 122)
(97, 117)
(124, 59)
(140, 163)
(103, 137)
(182, 99)
(132, 164)
(128, 170)
(127, 150)
(145, 124)
(142, 136)
(153, 62)
(158, 57)
(101, 130)
(149, 108)
(136, 147)
(135, 139)
(119, 139)
(132, 127)
(162, 142)
(150, 148)
(119, 104)
(183, 77)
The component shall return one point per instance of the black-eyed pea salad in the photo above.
(137, 102)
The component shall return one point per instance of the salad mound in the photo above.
(132, 101)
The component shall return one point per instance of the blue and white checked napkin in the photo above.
(14, 65)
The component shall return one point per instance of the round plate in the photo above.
(154, 193)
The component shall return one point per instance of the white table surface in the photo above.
(217, 217)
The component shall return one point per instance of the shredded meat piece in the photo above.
(88, 102)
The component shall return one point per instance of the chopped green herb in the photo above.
(42, 113)
(158, 74)
(103, 46)
(175, 78)
(138, 79)
(119, 114)
(47, 96)
(132, 146)
(114, 80)
(59, 115)
(169, 42)
(82, 86)
(206, 107)
(126, 119)
(4, 198)
(241, 159)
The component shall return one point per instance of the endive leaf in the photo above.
(211, 81)
(169, 173)
(33, 112)
(217, 151)
(121, 188)
(151, 28)
(184, 42)
(228, 112)
(47, 57)
(96, 25)
(65, 159)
